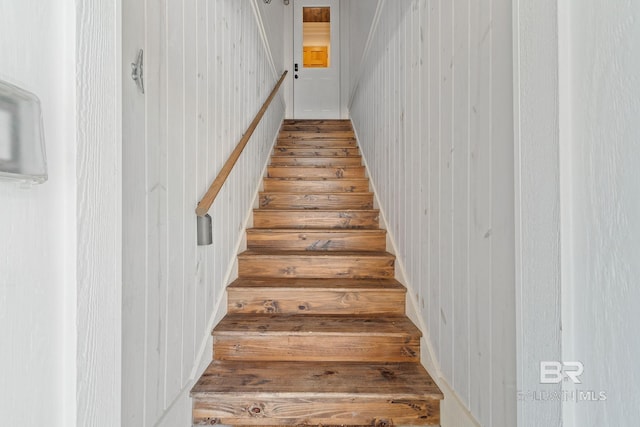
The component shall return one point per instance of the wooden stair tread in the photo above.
(381, 285)
(299, 393)
(303, 379)
(292, 325)
(289, 150)
(317, 296)
(322, 185)
(316, 264)
(315, 121)
(343, 200)
(312, 156)
(329, 255)
(314, 179)
(332, 211)
(342, 219)
(356, 232)
(316, 240)
(335, 161)
(289, 143)
(315, 172)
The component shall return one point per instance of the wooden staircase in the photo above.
(316, 332)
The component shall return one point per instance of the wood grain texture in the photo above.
(316, 133)
(316, 338)
(317, 240)
(95, 256)
(319, 141)
(316, 265)
(316, 201)
(286, 150)
(316, 128)
(321, 393)
(316, 122)
(293, 185)
(317, 296)
(316, 219)
(315, 172)
(316, 161)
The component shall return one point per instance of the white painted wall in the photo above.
(272, 17)
(360, 16)
(60, 252)
(434, 114)
(538, 207)
(207, 74)
(603, 233)
(37, 226)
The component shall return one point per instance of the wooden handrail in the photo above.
(216, 185)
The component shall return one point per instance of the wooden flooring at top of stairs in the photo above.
(316, 331)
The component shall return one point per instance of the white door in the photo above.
(316, 57)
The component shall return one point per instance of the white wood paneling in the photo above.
(538, 277)
(99, 204)
(433, 111)
(207, 73)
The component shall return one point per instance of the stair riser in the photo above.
(315, 133)
(316, 267)
(316, 122)
(318, 152)
(324, 126)
(303, 410)
(313, 347)
(316, 201)
(309, 269)
(313, 301)
(324, 186)
(316, 220)
(314, 129)
(316, 241)
(315, 172)
(318, 142)
(316, 161)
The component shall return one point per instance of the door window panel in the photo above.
(316, 37)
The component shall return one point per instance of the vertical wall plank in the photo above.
(191, 81)
(447, 118)
(175, 108)
(202, 165)
(435, 95)
(503, 367)
(461, 137)
(134, 225)
(480, 256)
(97, 249)
(156, 197)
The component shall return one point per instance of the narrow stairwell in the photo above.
(316, 332)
